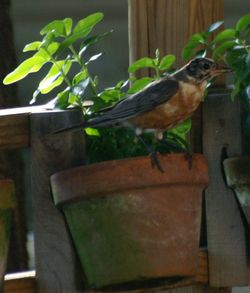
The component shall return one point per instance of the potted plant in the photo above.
(130, 223)
(232, 46)
(7, 205)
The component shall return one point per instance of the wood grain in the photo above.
(55, 259)
(14, 126)
(227, 250)
(20, 283)
(167, 24)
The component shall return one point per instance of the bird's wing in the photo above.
(146, 100)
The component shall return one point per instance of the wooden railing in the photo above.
(57, 269)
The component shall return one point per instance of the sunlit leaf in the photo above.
(80, 88)
(67, 25)
(93, 58)
(167, 62)
(34, 46)
(55, 76)
(60, 28)
(141, 63)
(62, 99)
(81, 30)
(214, 26)
(92, 131)
(30, 65)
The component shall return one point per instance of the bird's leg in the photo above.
(152, 154)
(179, 148)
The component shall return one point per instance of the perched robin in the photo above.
(161, 105)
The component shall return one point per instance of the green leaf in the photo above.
(48, 39)
(88, 22)
(214, 26)
(243, 22)
(30, 65)
(92, 131)
(93, 58)
(62, 99)
(110, 95)
(139, 84)
(54, 77)
(81, 30)
(73, 99)
(68, 25)
(34, 46)
(80, 76)
(167, 62)
(59, 28)
(79, 89)
(91, 41)
(189, 50)
(141, 63)
(220, 51)
(224, 35)
(195, 42)
(181, 131)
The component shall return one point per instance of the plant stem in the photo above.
(84, 67)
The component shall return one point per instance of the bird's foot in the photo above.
(189, 157)
(155, 162)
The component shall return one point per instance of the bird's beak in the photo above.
(221, 68)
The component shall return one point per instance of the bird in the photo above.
(162, 104)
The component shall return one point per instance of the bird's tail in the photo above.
(94, 122)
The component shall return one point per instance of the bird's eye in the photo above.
(206, 66)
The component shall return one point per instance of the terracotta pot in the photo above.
(131, 223)
(7, 204)
(237, 171)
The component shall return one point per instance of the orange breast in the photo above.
(180, 107)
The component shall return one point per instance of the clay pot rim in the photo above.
(237, 171)
(68, 185)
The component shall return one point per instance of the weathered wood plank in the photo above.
(55, 258)
(20, 283)
(14, 126)
(225, 232)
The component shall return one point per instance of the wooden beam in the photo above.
(227, 245)
(14, 125)
(54, 254)
(24, 282)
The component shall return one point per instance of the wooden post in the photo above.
(167, 24)
(54, 255)
(227, 246)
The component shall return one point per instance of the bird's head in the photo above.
(203, 69)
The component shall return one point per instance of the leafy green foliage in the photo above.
(230, 45)
(58, 37)
(63, 46)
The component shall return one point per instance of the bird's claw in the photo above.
(155, 161)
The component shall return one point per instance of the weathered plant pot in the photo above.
(237, 171)
(7, 204)
(131, 223)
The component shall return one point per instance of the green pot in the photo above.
(237, 171)
(133, 225)
(7, 204)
